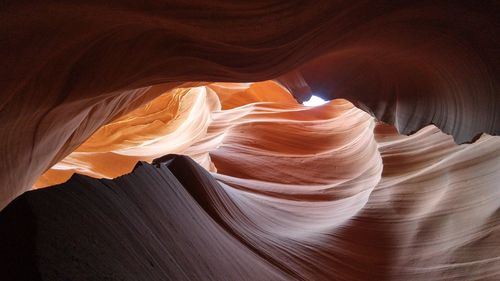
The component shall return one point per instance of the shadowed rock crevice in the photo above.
(141, 226)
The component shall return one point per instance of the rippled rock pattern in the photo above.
(318, 193)
(395, 178)
(70, 68)
(142, 226)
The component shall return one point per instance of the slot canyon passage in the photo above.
(167, 140)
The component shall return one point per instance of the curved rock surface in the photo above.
(142, 226)
(271, 190)
(70, 68)
(318, 193)
(176, 222)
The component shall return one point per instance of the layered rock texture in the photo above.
(395, 178)
(271, 190)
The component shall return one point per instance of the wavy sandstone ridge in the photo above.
(174, 221)
(70, 68)
(312, 193)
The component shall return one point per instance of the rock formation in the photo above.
(395, 178)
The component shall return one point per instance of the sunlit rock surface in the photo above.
(176, 222)
(70, 68)
(313, 193)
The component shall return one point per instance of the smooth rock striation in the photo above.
(70, 68)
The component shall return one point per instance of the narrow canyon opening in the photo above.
(314, 101)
